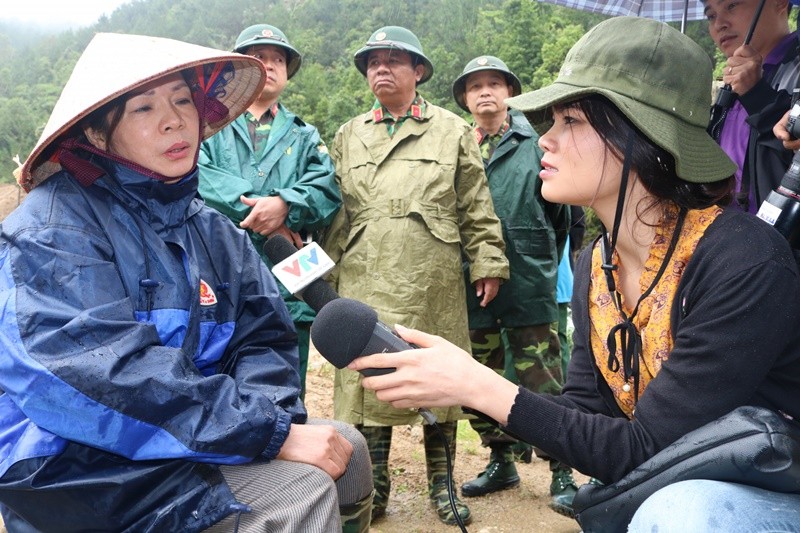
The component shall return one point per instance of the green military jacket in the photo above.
(535, 232)
(294, 164)
(412, 204)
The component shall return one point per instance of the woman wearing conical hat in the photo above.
(149, 365)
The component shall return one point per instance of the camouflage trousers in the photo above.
(535, 363)
(379, 442)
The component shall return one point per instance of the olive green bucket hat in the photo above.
(259, 34)
(394, 37)
(477, 65)
(657, 76)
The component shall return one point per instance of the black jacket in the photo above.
(766, 159)
(735, 323)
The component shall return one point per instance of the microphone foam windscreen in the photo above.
(278, 248)
(342, 330)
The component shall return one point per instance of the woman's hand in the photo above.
(439, 374)
(319, 445)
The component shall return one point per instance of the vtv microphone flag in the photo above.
(300, 269)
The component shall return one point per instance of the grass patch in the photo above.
(467, 438)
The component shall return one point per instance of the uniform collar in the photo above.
(416, 111)
(481, 134)
(271, 112)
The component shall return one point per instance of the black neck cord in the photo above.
(629, 338)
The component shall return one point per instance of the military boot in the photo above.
(436, 466)
(562, 489)
(500, 473)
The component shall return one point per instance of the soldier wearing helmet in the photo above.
(269, 171)
(415, 196)
(525, 309)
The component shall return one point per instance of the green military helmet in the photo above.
(390, 37)
(483, 63)
(266, 34)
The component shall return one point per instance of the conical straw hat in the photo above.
(114, 64)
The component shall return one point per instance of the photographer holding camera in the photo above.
(761, 73)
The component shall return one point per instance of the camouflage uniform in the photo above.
(536, 359)
(356, 518)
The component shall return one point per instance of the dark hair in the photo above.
(789, 6)
(654, 165)
(105, 119)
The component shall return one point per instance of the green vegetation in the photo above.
(531, 37)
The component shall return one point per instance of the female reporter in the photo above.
(683, 311)
(149, 365)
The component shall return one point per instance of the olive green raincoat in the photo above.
(412, 204)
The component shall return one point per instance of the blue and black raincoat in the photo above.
(143, 343)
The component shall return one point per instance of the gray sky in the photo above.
(72, 13)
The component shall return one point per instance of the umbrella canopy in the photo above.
(663, 10)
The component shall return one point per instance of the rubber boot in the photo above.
(379, 442)
(356, 517)
(562, 489)
(436, 466)
(500, 473)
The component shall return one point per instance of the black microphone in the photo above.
(346, 329)
(318, 292)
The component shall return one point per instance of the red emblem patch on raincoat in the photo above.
(207, 296)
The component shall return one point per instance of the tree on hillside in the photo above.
(531, 37)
